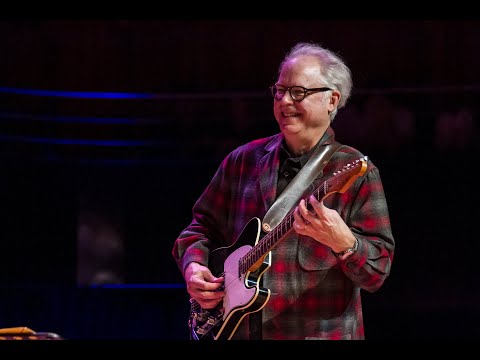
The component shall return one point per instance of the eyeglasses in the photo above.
(297, 93)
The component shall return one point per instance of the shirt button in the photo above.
(286, 173)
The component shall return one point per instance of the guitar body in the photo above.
(243, 294)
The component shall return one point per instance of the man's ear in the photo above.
(334, 100)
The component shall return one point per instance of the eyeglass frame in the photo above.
(306, 91)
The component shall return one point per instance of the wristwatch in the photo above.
(349, 250)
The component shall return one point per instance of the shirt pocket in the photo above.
(313, 255)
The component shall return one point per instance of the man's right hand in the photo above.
(202, 286)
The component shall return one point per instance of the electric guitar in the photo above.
(242, 265)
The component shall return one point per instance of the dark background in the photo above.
(92, 182)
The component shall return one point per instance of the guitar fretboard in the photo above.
(339, 182)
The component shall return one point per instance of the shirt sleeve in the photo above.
(368, 219)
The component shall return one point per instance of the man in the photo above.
(309, 286)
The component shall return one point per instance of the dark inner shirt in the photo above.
(290, 166)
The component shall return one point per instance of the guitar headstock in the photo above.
(343, 178)
(353, 165)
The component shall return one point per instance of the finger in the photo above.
(208, 276)
(296, 215)
(203, 294)
(300, 228)
(318, 206)
(314, 201)
(299, 223)
(305, 213)
(212, 286)
(211, 295)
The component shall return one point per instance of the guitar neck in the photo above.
(339, 182)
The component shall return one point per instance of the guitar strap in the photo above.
(287, 199)
(285, 202)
